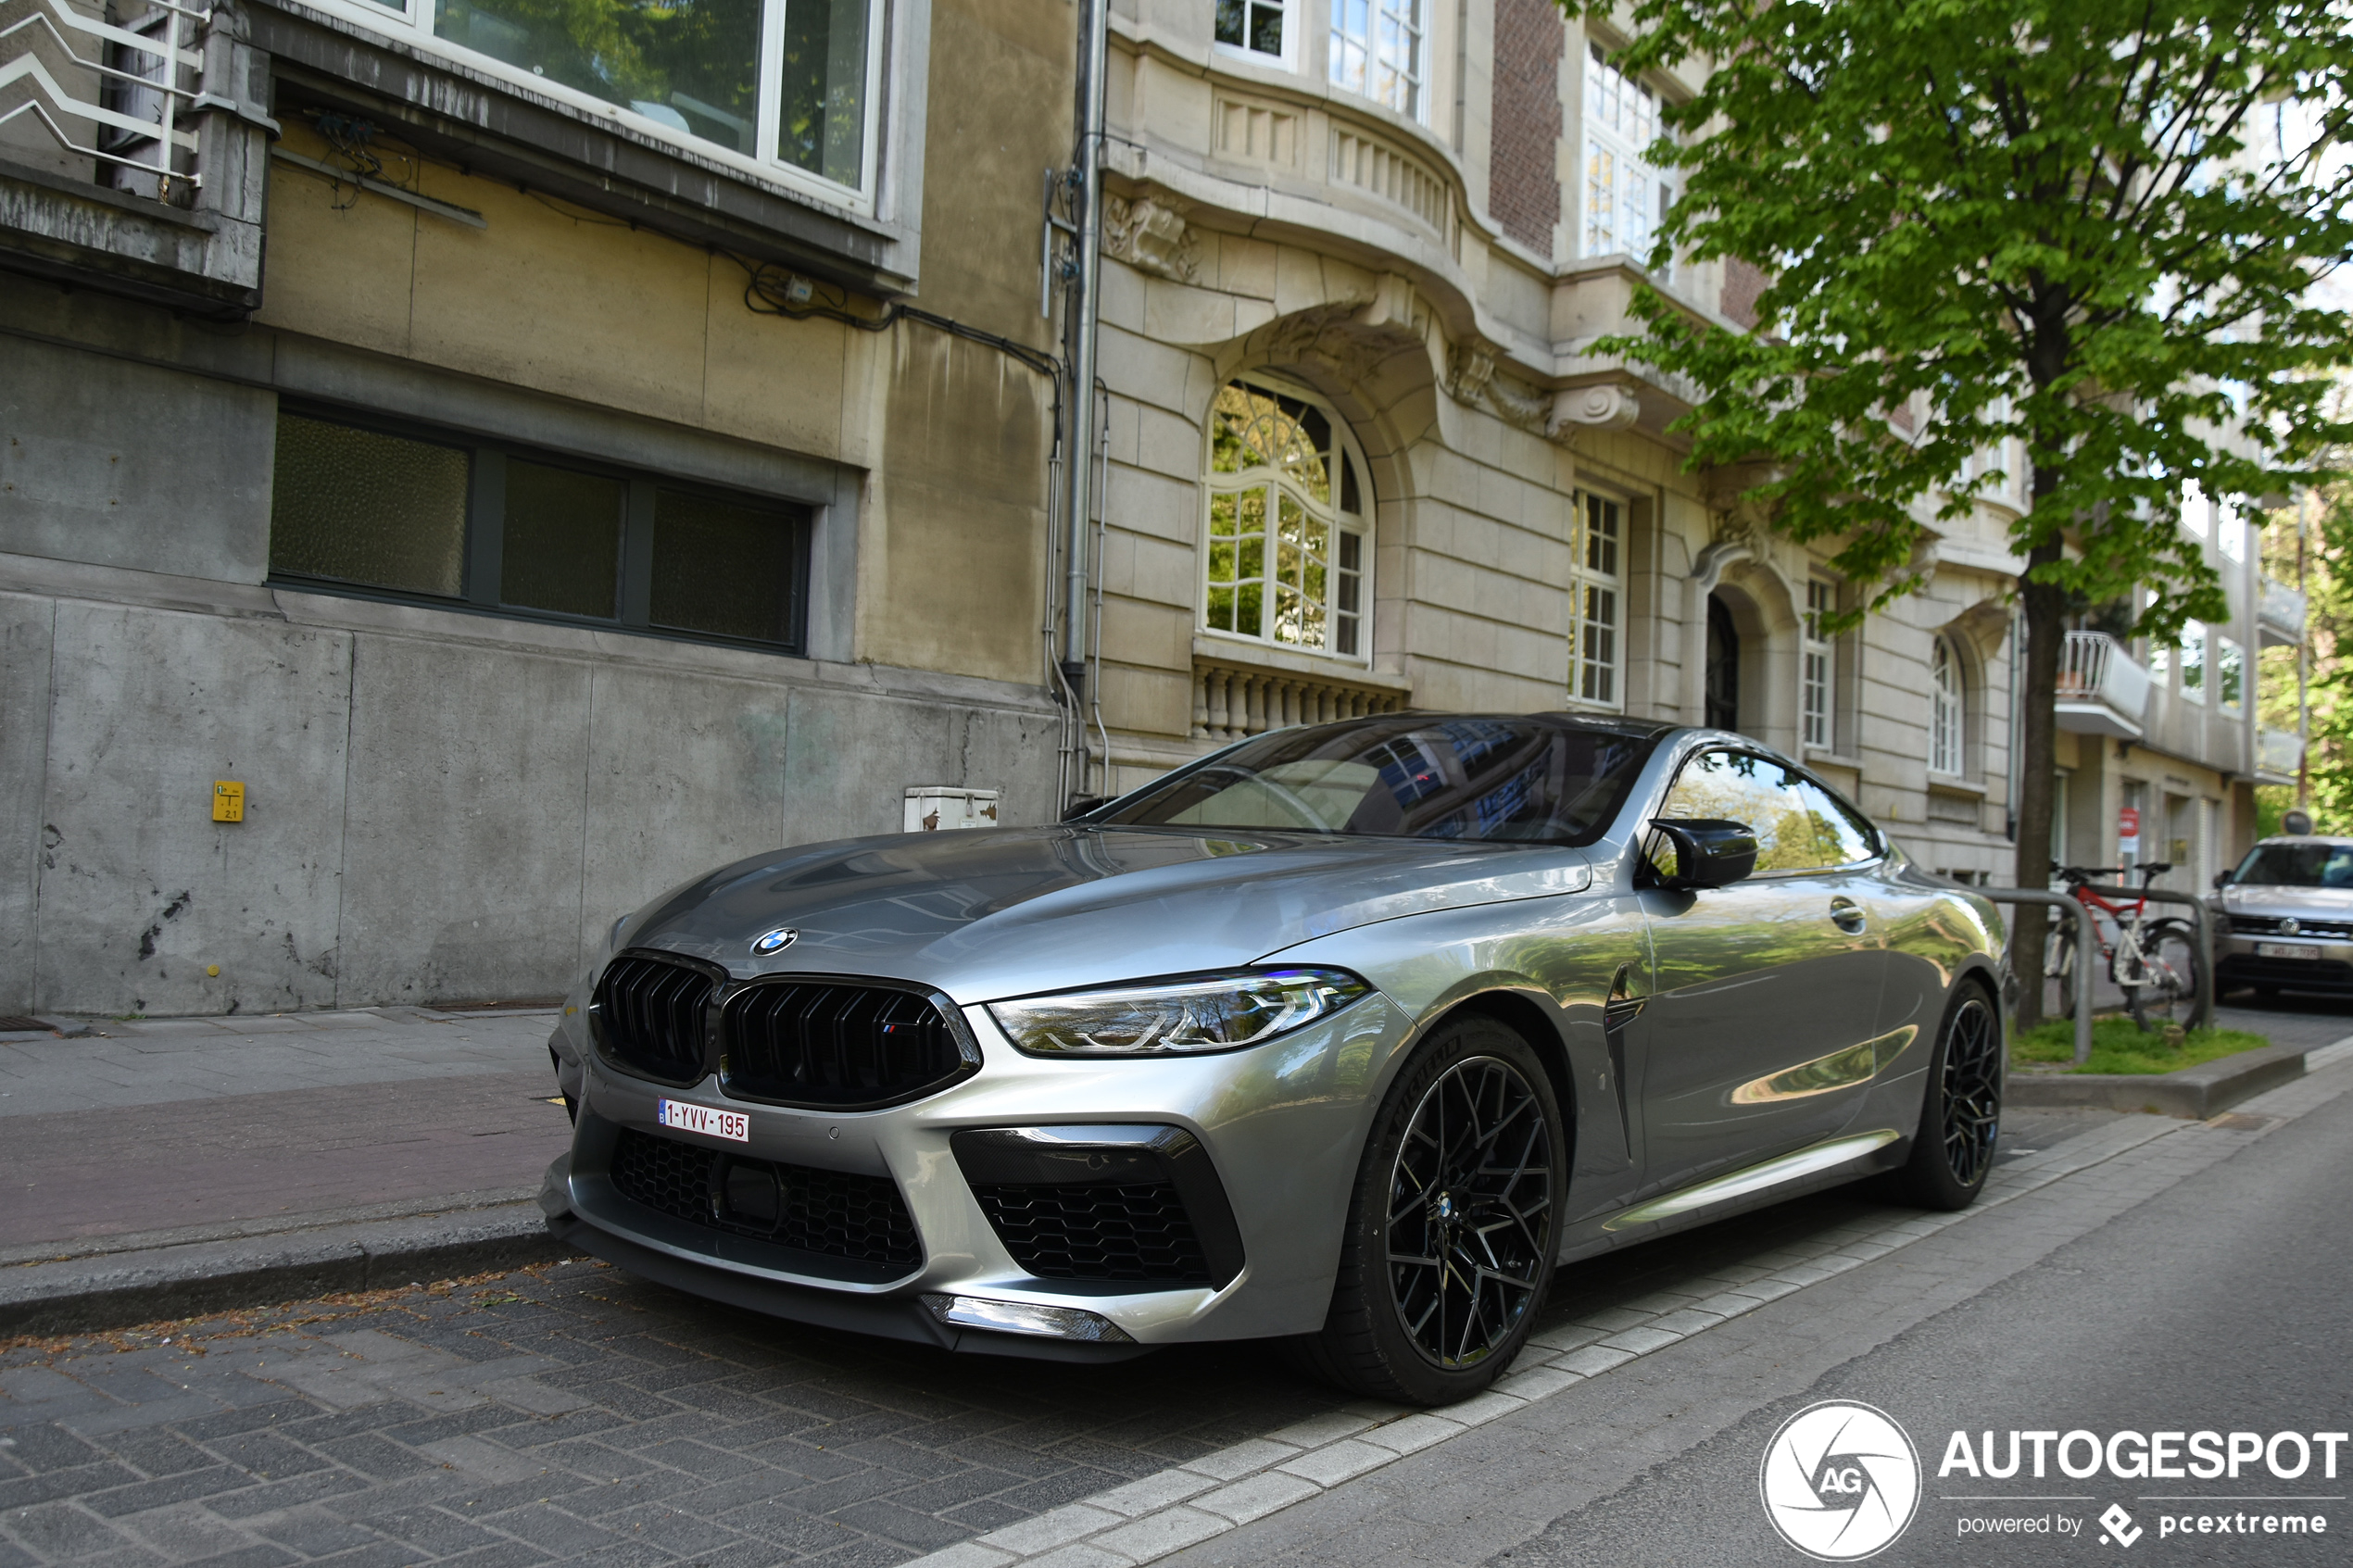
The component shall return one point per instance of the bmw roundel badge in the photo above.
(776, 941)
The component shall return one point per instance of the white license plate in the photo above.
(2286, 950)
(704, 1118)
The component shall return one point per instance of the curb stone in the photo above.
(2193, 1093)
(117, 1290)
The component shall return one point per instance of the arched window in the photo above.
(1948, 708)
(1289, 556)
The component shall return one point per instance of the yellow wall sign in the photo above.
(228, 801)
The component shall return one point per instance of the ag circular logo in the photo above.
(1839, 1481)
(776, 941)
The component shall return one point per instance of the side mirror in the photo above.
(1708, 852)
(2222, 879)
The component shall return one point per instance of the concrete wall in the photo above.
(440, 807)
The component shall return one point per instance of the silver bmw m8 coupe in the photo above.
(1350, 1035)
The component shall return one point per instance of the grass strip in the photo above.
(2117, 1046)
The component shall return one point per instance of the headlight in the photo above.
(1218, 1013)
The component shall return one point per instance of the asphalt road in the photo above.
(2225, 1303)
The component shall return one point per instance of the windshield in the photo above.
(2297, 865)
(1537, 779)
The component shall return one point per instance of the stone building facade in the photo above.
(499, 455)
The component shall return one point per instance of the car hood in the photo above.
(2304, 903)
(987, 913)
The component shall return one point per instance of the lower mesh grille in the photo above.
(832, 1212)
(1113, 1232)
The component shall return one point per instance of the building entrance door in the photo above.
(1723, 667)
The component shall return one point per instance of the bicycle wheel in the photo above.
(2171, 965)
(2058, 963)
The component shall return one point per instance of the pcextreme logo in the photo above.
(1839, 1481)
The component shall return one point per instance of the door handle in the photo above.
(1847, 915)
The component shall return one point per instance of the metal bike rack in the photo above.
(2083, 945)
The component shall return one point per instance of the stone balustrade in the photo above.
(1231, 700)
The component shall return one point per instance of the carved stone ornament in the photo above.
(1594, 407)
(1471, 381)
(1347, 339)
(1150, 238)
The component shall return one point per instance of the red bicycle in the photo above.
(2154, 962)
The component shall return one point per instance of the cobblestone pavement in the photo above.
(575, 1415)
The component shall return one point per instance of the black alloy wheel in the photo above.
(1452, 1231)
(1470, 1213)
(1961, 1111)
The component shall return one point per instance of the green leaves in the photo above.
(2074, 235)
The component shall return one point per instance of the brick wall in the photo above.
(1524, 184)
(1742, 282)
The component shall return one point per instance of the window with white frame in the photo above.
(2230, 673)
(2198, 512)
(1624, 197)
(1595, 598)
(2230, 533)
(2193, 661)
(784, 88)
(1820, 669)
(1376, 50)
(1948, 708)
(1258, 30)
(1288, 559)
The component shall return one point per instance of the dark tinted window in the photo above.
(1512, 779)
(2297, 865)
(446, 515)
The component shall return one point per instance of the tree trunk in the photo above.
(2038, 773)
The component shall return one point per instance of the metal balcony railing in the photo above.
(2102, 689)
(2279, 613)
(117, 93)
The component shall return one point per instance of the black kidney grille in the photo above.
(1109, 1233)
(836, 1045)
(651, 1015)
(833, 1212)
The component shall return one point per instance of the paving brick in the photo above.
(61, 1530)
(166, 1489)
(272, 1496)
(49, 1485)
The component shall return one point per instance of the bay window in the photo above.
(1624, 197)
(1377, 51)
(1258, 30)
(784, 88)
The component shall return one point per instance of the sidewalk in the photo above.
(138, 1151)
(158, 1168)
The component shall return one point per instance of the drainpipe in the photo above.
(1078, 473)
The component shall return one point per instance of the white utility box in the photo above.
(936, 807)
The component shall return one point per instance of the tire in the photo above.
(2059, 965)
(1961, 1108)
(2170, 947)
(1408, 1322)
